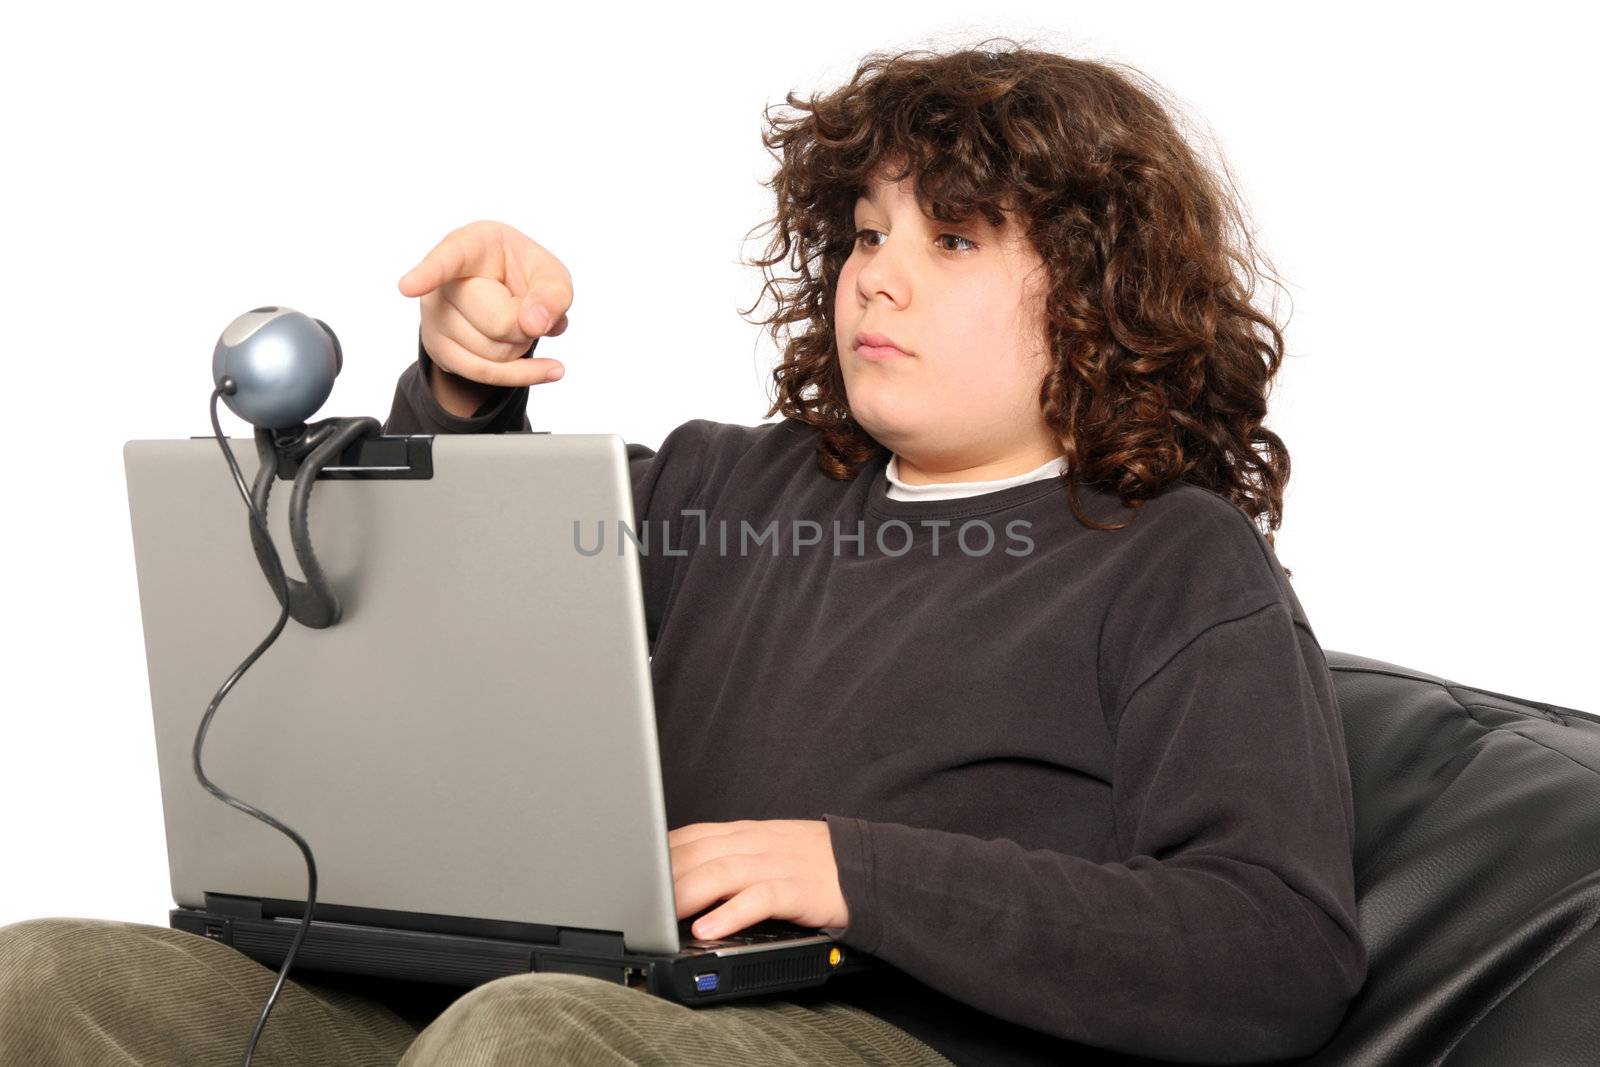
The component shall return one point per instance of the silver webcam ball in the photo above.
(283, 363)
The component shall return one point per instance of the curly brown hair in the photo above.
(1160, 364)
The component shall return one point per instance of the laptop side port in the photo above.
(706, 982)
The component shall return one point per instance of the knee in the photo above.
(47, 957)
(543, 994)
(540, 1014)
(35, 953)
(40, 946)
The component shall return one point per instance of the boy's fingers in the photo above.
(458, 310)
(489, 311)
(534, 370)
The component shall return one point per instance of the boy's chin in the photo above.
(889, 413)
(888, 431)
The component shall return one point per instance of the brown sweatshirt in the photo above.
(1084, 787)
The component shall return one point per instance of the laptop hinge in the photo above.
(595, 953)
(232, 906)
(597, 942)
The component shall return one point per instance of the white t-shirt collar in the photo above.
(899, 490)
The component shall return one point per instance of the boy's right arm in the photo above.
(488, 293)
(663, 482)
(459, 396)
(421, 407)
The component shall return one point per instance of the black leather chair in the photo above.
(1477, 873)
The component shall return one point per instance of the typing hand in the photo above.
(764, 869)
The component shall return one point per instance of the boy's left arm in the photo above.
(1230, 931)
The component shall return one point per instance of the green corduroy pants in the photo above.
(97, 993)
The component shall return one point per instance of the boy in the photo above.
(1019, 698)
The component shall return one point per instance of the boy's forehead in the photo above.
(878, 193)
(877, 186)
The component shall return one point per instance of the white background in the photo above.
(1423, 180)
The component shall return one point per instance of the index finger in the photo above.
(468, 252)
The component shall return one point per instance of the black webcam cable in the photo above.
(281, 584)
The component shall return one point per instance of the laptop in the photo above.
(470, 751)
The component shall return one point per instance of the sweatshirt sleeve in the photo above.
(664, 481)
(417, 411)
(1229, 932)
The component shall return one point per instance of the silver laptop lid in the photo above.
(475, 737)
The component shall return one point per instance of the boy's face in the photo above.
(961, 300)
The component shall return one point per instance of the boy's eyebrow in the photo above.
(976, 221)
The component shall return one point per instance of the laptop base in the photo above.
(347, 944)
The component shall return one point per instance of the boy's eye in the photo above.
(865, 233)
